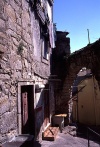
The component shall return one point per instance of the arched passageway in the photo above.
(88, 57)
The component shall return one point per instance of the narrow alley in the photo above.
(45, 89)
(64, 139)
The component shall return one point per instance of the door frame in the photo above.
(46, 97)
(19, 115)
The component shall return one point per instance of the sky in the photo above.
(75, 17)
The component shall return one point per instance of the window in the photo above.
(45, 42)
(45, 48)
(49, 10)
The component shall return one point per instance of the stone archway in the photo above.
(88, 57)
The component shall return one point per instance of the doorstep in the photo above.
(24, 140)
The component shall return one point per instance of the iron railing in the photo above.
(89, 130)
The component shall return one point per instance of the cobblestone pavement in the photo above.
(64, 139)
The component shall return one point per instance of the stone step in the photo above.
(50, 133)
(23, 140)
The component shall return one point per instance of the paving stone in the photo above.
(67, 140)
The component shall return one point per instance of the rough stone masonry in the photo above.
(19, 59)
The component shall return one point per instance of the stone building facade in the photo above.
(59, 67)
(26, 40)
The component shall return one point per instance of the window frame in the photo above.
(46, 52)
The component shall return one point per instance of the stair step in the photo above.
(50, 133)
(24, 140)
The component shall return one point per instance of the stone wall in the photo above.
(59, 67)
(18, 61)
(87, 57)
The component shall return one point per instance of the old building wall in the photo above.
(59, 66)
(20, 60)
(87, 57)
(86, 100)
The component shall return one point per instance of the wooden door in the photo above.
(24, 112)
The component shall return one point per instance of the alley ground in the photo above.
(64, 139)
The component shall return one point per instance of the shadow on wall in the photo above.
(42, 113)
